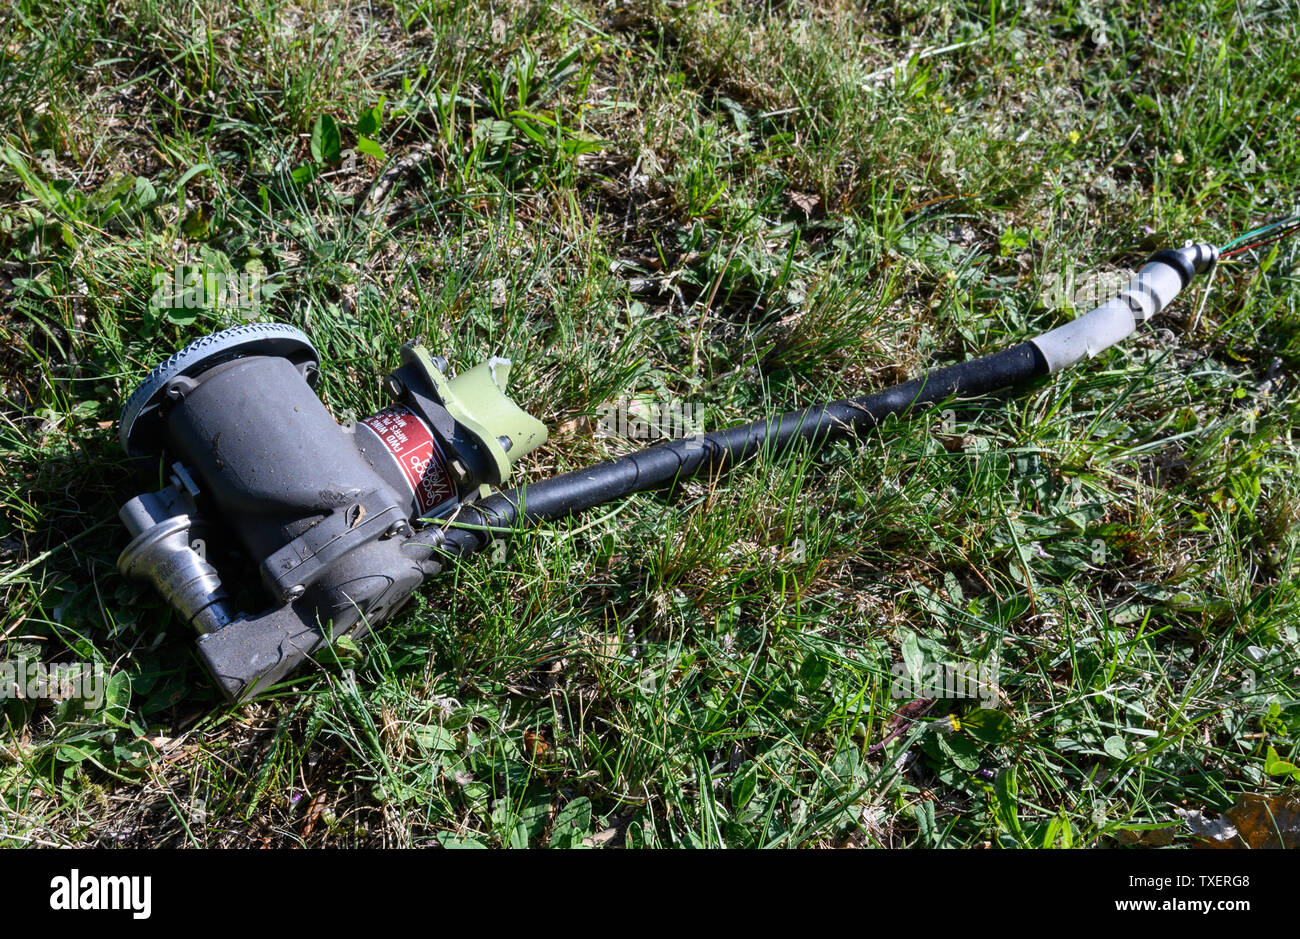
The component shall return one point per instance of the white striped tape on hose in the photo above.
(1164, 275)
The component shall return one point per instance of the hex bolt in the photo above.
(293, 593)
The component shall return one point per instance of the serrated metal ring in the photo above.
(137, 430)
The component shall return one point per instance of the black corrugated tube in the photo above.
(660, 467)
(1163, 276)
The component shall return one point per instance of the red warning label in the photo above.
(417, 453)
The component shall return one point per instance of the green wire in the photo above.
(1289, 220)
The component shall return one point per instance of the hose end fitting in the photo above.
(1188, 261)
(1203, 257)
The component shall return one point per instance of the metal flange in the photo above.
(140, 426)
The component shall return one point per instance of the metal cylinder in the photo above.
(164, 556)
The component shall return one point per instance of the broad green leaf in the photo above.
(572, 824)
(433, 737)
(370, 148)
(988, 725)
(1274, 765)
(326, 142)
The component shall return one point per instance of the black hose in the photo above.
(663, 465)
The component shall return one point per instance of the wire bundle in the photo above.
(1276, 231)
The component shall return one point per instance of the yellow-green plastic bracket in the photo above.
(476, 398)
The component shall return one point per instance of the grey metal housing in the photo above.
(328, 526)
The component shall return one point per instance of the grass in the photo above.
(746, 207)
